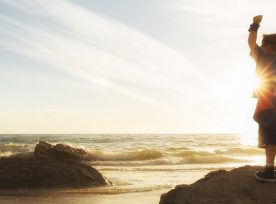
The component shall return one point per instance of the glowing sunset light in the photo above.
(256, 83)
(123, 93)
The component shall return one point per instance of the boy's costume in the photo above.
(265, 112)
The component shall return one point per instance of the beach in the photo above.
(130, 100)
(150, 197)
(141, 166)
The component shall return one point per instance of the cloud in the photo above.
(95, 48)
(234, 12)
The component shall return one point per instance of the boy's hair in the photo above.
(269, 39)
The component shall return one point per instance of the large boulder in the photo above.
(53, 170)
(237, 186)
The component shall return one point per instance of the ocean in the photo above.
(147, 162)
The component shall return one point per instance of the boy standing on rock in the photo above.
(265, 113)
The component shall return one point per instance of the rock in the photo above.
(237, 186)
(43, 170)
(59, 151)
(43, 149)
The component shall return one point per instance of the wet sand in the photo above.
(149, 197)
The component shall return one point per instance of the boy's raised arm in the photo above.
(252, 38)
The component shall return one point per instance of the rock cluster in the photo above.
(237, 186)
(49, 166)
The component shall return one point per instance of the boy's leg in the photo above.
(270, 155)
(267, 174)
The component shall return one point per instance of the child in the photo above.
(265, 113)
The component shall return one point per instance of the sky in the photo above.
(128, 66)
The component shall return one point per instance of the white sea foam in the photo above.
(146, 154)
(154, 157)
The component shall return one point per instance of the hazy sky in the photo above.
(127, 66)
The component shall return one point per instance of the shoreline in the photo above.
(74, 192)
(147, 197)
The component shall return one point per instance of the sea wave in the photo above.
(172, 149)
(176, 156)
(241, 151)
(197, 159)
(188, 153)
(147, 154)
(131, 156)
(13, 148)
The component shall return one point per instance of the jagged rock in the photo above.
(45, 171)
(59, 151)
(237, 186)
(43, 149)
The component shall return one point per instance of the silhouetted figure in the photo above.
(265, 113)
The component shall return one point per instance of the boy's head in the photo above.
(269, 43)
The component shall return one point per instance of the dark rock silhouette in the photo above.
(59, 151)
(49, 167)
(237, 186)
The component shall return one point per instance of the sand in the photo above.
(149, 197)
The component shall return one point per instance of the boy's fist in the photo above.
(257, 19)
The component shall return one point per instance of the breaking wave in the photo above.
(241, 151)
(169, 156)
(151, 155)
(13, 148)
(147, 154)
(196, 159)
(159, 157)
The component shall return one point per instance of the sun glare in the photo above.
(245, 104)
(256, 83)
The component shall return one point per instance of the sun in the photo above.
(256, 83)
